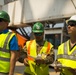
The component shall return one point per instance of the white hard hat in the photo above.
(73, 18)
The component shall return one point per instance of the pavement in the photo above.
(19, 69)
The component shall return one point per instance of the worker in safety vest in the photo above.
(39, 53)
(8, 46)
(66, 55)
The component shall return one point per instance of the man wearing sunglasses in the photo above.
(67, 51)
(39, 53)
(8, 46)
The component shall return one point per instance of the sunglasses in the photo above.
(72, 23)
(38, 34)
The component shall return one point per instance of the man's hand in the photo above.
(26, 62)
(57, 66)
(40, 61)
(57, 69)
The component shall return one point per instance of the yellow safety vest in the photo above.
(4, 51)
(34, 69)
(66, 57)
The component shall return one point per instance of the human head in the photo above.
(72, 25)
(4, 15)
(38, 30)
(4, 20)
(56, 36)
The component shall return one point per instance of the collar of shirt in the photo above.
(4, 31)
(40, 43)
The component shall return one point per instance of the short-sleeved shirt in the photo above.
(13, 44)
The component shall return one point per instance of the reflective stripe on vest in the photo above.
(28, 52)
(4, 59)
(4, 48)
(65, 54)
(29, 47)
(48, 48)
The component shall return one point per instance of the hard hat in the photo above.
(38, 28)
(4, 16)
(73, 18)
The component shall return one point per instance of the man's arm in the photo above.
(50, 57)
(23, 55)
(12, 62)
(48, 60)
(13, 46)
